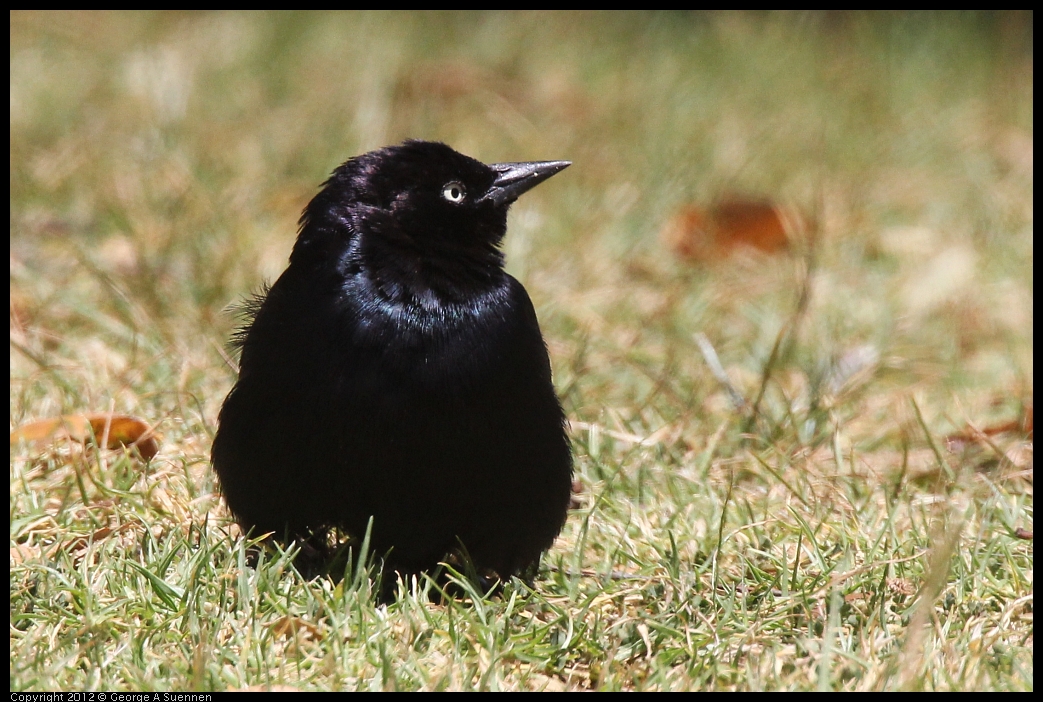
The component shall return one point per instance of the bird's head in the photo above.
(419, 200)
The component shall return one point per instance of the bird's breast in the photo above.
(449, 345)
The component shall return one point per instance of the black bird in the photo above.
(395, 371)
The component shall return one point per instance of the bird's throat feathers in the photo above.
(425, 276)
(404, 268)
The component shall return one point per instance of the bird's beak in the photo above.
(513, 179)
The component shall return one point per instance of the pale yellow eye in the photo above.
(454, 192)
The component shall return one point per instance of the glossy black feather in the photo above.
(395, 371)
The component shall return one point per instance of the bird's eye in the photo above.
(454, 192)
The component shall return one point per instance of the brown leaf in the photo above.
(115, 430)
(714, 232)
(1022, 425)
(289, 627)
(23, 552)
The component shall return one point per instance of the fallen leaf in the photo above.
(972, 434)
(709, 233)
(23, 552)
(288, 627)
(115, 430)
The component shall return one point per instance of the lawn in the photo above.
(801, 465)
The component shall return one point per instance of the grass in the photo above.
(837, 538)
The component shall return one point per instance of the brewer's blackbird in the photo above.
(395, 371)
